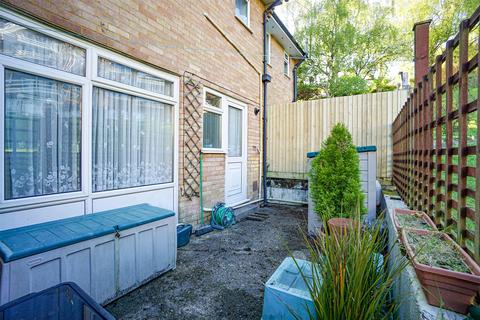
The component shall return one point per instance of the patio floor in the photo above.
(221, 274)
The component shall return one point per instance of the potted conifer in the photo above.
(335, 181)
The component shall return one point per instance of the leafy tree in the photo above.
(348, 85)
(348, 40)
(446, 16)
(335, 177)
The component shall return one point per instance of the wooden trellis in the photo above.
(192, 135)
(436, 141)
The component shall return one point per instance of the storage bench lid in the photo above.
(26, 241)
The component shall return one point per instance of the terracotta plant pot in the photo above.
(446, 288)
(425, 219)
(340, 226)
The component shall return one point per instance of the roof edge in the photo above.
(290, 36)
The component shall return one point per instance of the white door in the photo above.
(236, 164)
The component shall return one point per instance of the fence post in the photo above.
(462, 121)
(449, 133)
(438, 140)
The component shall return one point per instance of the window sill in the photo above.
(244, 24)
(287, 76)
(217, 151)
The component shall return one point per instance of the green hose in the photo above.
(222, 216)
(201, 191)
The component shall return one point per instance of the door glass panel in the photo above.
(234, 132)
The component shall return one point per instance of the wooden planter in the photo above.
(421, 216)
(446, 288)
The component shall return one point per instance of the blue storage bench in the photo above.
(107, 253)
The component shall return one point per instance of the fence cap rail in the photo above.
(360, 149)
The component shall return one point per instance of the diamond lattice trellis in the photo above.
(192, 136)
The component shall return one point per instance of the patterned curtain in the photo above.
(132, 141)
(42, 136)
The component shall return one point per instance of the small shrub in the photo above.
(335, 177)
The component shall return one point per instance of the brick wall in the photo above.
(178, 36)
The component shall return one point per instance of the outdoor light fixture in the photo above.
(256, 111)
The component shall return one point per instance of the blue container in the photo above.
(286, 292)
(63, 301)
(183, 234)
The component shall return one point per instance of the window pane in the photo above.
(22, 43)
(213, 100)
(212, 130)
(234, 132)
(118, 72)
(42, 136)
(132, 141)
(241, 10)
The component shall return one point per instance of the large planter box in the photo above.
(106, 254)
(286, 293)
(445, 288)
(368, 173)
(426, 222)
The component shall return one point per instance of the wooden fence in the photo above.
(436, 142)
(300, 127)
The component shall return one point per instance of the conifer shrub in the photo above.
(335, 177)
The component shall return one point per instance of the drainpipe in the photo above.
(295, 80)
(266, 78)
(295, 75)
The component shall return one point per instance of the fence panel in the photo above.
(436, 141)
(300, 127)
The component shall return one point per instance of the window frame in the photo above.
(286, 60)
(247, 24)
(87, 82)
(223, 118)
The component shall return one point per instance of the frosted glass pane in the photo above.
(23, 43)
(118, 72)
(42, 136)
(132, 141)
(212, 132)
(234, 132)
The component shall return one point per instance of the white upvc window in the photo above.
(213, 121)
(242, 11)
(79, 120)
(286, 63)
(269, 48)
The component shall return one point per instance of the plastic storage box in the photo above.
(106, 254)
(184, 231)
(63, 301)
(286, 293)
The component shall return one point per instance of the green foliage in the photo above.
(348, 39)
(348, 86)
(348, 279)
(381, 85)
(446, 16)
(335, 176)
(308, 91)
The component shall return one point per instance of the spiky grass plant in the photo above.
(349, 280)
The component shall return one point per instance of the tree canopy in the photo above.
(353, 43)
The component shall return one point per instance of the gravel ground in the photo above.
(220, 275)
